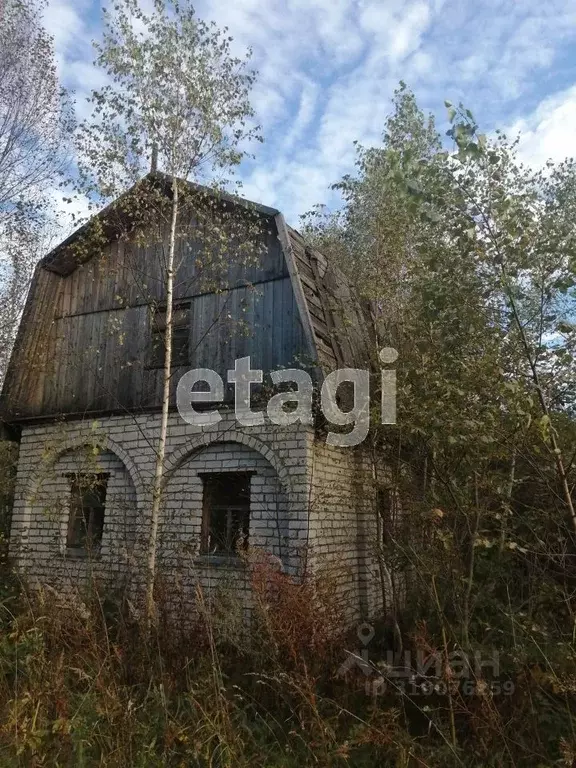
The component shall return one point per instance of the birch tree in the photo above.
(177, 101)
(469, 260)
(35, 124)
(522, 225)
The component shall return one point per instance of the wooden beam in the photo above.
(301, 303)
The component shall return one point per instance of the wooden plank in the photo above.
(310, 284)
(326, 339)
(139, 345)
(296, 285)
(73, 280)
(196, 331)
(284, 317)
(304, 269)
(81, 364)
(318, 316)
(108, 332)
(249, 338)
(326, 354)
(288, 321)
(258, 336)
(278, 325)
(62, 364)
(222, 328)
(37, 365)
(108, 271)
(341, 342)
(297, 236)
(333, 340)
(314, 301)
(88, 284)
(267, 325)
(24, 385)
(65, 300)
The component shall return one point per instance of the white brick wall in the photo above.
(342, 524)
(179, 534)
(279, 500)
(304, 494)
(41, 514)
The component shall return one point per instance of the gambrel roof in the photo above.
(339, 328)
(336, 328)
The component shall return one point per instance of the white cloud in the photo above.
(327, 69)
(64, 20)
(548, 133)
(397, 31)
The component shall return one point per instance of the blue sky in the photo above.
(328, 69)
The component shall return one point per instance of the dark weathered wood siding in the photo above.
(84, 344)
(85, 340)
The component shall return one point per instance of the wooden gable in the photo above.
(84, 342)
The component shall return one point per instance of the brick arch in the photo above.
(180, 455)
(104, 442)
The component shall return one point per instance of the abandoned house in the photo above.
(83, 393)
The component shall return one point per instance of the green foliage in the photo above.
(84, 686)
(8, 460)
(177, 99)
(176, 104)
(35, 128)
(468, 260)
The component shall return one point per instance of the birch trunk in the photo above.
(552, 440)
(158, 487)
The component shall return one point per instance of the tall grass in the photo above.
(84, 685)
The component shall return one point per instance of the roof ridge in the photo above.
(48, 261)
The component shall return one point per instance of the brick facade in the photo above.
(306, 499)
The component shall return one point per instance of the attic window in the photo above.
(86, 521)
(226, 512)
(180, 335)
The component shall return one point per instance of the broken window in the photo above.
(180, 335)
(87, 502)
(226, 512)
